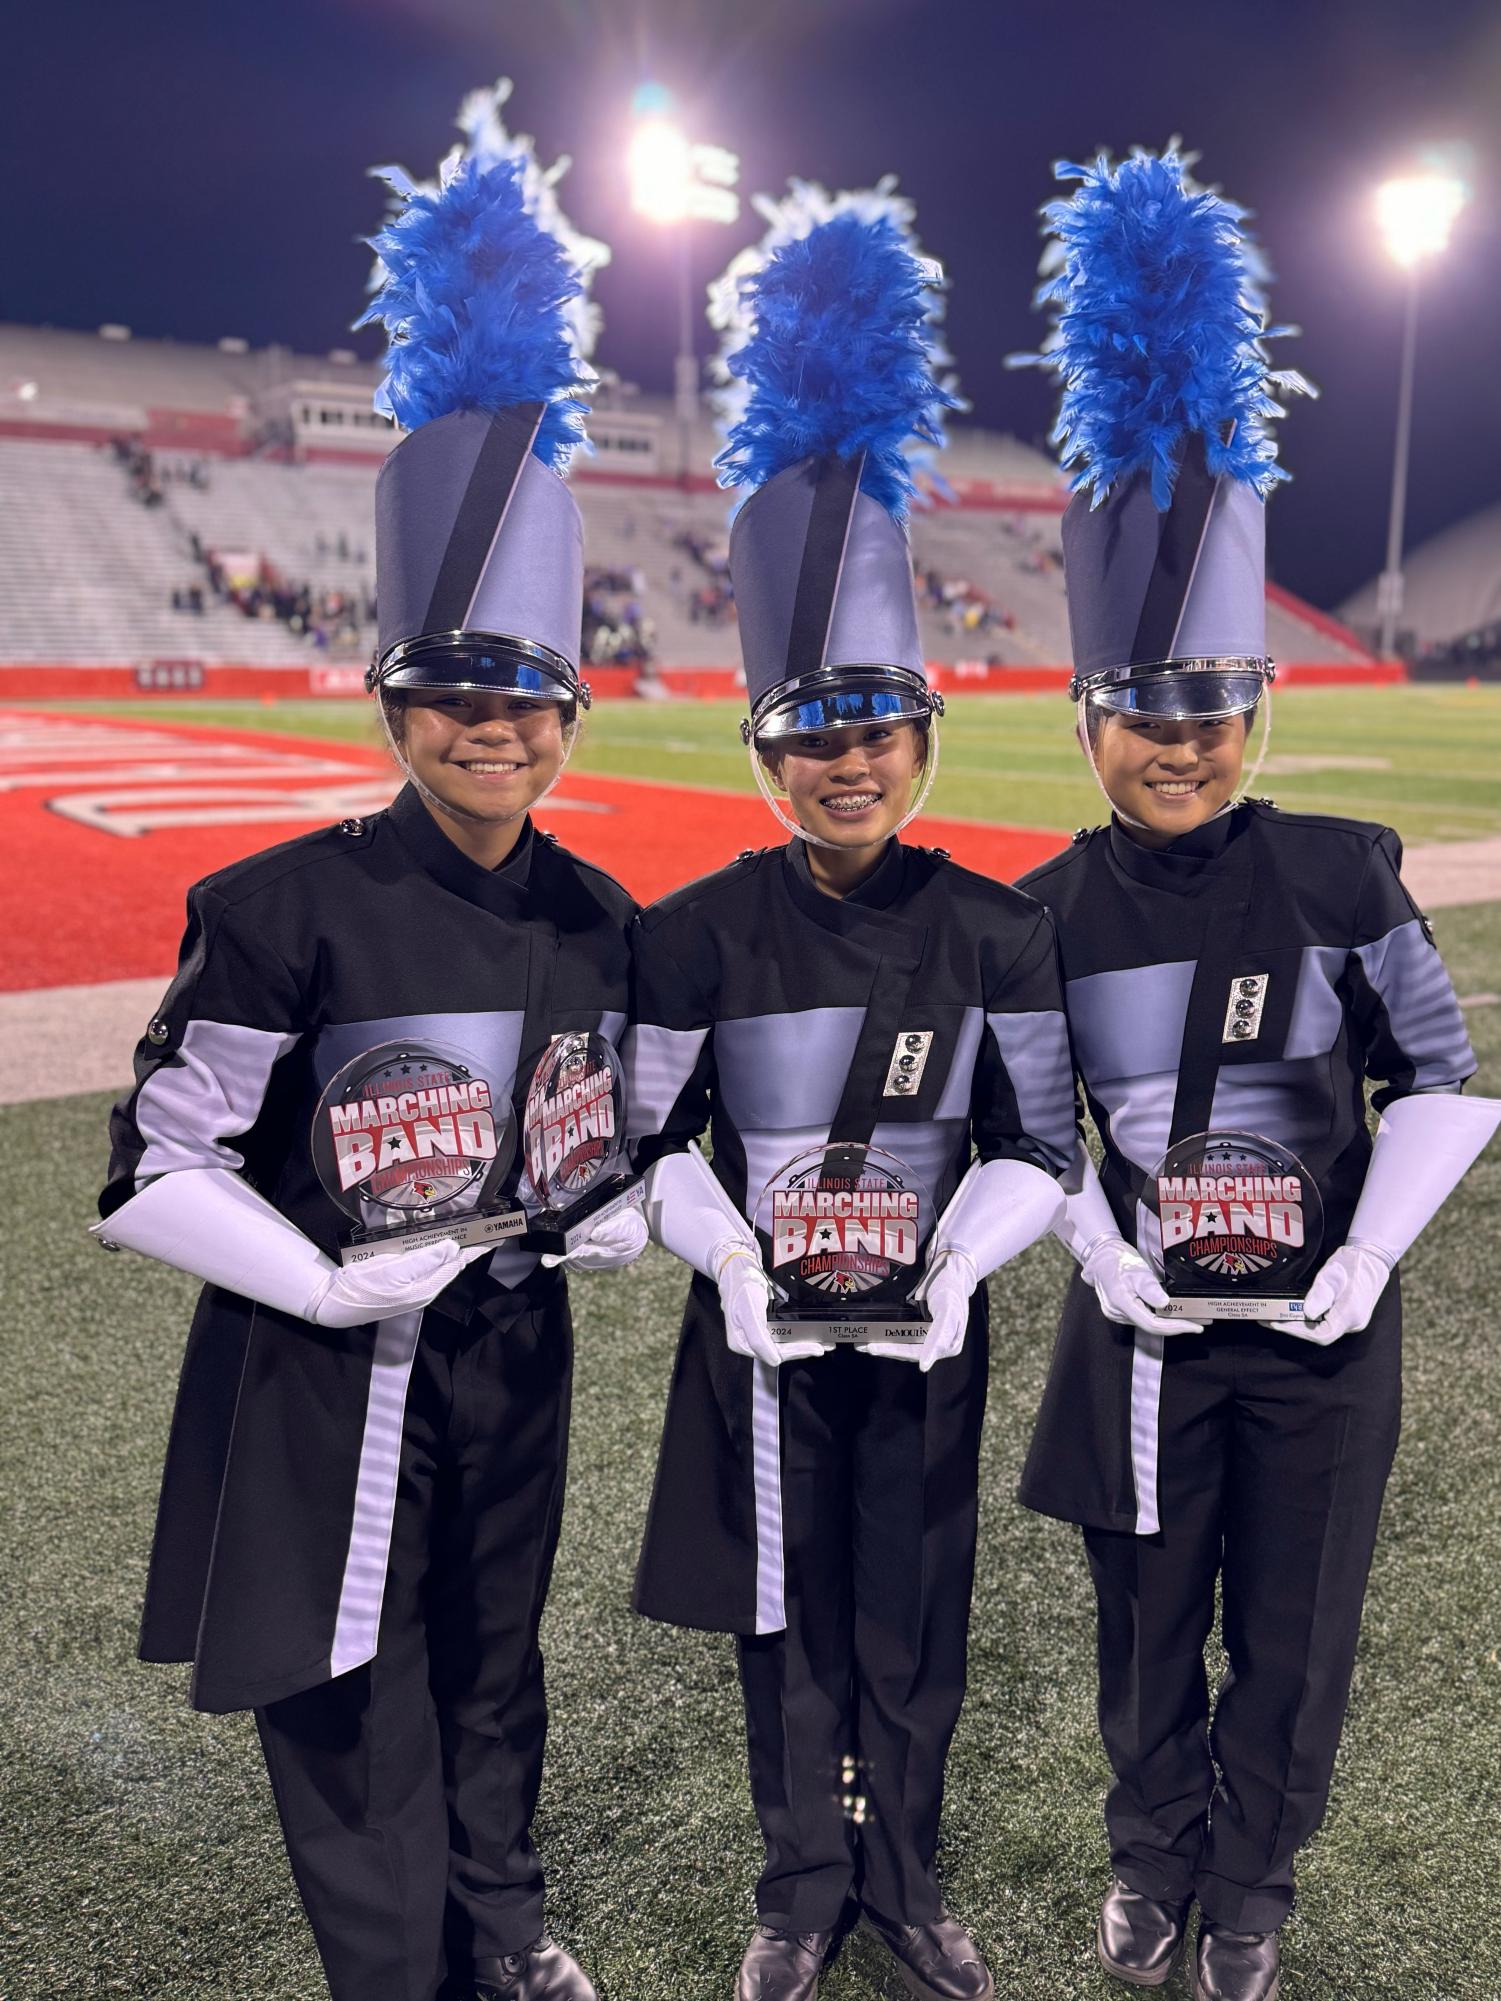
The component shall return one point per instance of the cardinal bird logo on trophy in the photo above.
(413, 1143)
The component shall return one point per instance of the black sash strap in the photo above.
(536, 1023)
(1204, 1021)
(473, 1289)
(1222, 933)
(859, 1108)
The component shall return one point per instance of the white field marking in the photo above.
(168, 773)
(1479, 1000)
(1286, 763)
(138, 748)
(104, 1023)
(136, 810)
(1452, 872)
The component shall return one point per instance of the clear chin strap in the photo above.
(801, 833)
(430, 798)
(1248, 776)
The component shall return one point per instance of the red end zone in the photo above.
(106, 822)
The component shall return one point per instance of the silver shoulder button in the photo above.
(351, 827)
(157, 1031)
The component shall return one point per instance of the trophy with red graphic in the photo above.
(573, 1142)
(413, 1143)
(1234, 1224)
(844, 1231)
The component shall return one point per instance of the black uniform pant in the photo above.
(850, 1710)
(406, 1787)
(1273, 1456)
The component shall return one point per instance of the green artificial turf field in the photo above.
(146, 1857)
(1425, 760)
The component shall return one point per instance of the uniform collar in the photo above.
(880, 888)
(502, 891)
(1185, 864)
(866, 913)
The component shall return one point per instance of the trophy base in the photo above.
(1281, 1312)
(557, 1232)
(494, 1227)
(908, 1330)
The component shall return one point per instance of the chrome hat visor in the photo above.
(1178, 691)
(479, 663)
(841, 698)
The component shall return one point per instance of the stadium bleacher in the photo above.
(269, 459)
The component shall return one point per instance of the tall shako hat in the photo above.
(1158, 342)
(829, 326)
(479, 545)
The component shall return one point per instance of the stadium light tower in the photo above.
(1417, 214)
(675, 183)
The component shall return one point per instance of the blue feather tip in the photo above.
(831, 336)
(475, 296)
(1159, 328)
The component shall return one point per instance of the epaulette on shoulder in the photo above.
(1065, 858)
(239, 880)
(704, 886)
(1270, 814)
(964, 881)
(595, 878)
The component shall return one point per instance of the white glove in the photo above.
(1129, 1290)
(207, 1221)
(1125, 1284)
(998, 1209)
(1343, 1296)
(1424, 1145)
(396, 1282)
(614, 1242)
(745, 1293)
(946, 1288)
(689, 1214)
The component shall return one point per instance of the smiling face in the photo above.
(850, 787)
(1170, 776)
(483, 757)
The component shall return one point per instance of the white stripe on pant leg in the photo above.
(1146, 1400)
(357, 1627)
(766, 1464)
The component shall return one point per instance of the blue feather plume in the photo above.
(475, 296)
(1159, 329)
(831, 335)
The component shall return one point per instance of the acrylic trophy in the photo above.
(1240, 1224)
(573, 1142)
(844, 1231)
(413, 1143)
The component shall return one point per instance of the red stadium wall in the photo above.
(172, 679)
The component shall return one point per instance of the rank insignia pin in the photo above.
(908, 1058)
(1243, 1010)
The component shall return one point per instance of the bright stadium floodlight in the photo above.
(660, 167)
(675, 183)
(1416, 214)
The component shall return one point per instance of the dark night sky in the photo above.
(195, 171)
